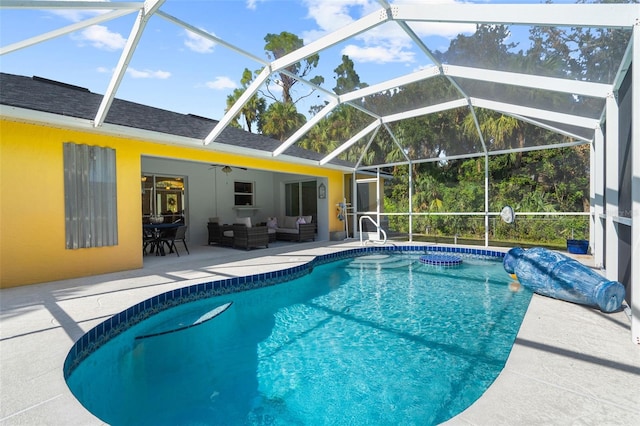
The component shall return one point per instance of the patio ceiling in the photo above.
(559, 102)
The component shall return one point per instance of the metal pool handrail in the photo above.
(378, 228)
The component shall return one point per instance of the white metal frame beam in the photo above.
(552, 128)
(62, 4)
(419, 112)
(306, 127)
(148, 9)
(362, 133)
(366, 148)
(478, 154)
(114, 14)
(612, 180)
(562, 85)
(511, 109)
(635, 188)
(211, 37)
(597, 156)
(390, 84)
(237, 106)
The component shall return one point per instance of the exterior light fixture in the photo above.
(322, 191)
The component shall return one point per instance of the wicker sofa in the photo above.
(293, 228)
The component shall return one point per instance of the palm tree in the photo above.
(252, 110)
(281, 120)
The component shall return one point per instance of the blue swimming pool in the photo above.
(375, 339)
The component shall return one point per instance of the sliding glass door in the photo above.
(301, 199)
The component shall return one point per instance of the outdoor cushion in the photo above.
(287, 230)
(272, 223)
(289, 222)
(246, 221)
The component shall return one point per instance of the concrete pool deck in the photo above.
(570, 364)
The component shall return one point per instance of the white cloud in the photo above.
(386, 43)
(159, 74)
(253, 4)
(76, 15)
(103, 70)
(448, 30)
(378, 54)
(221, 83)
(197, 43)
(100, 37)
(331, 15)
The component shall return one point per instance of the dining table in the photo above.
(157, 231)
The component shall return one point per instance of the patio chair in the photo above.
(216, 234)
(250, 237)
(171, 238)
(148, 240)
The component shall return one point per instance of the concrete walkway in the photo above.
(570, 364)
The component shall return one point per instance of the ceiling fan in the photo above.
(225, 168)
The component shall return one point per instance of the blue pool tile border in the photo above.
(118, 323)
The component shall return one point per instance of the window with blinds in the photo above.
(90, 196)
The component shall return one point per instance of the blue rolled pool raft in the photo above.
(555, 275)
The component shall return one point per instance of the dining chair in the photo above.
(148, 240)
(179, 235)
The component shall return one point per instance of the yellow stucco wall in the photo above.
(32, 234)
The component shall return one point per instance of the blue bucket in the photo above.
(578, 246)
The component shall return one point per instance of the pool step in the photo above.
(382, 261)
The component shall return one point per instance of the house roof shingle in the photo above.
(40, 94)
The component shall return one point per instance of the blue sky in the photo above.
(176, 70)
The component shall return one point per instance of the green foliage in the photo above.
(538, 181)
(281, 120)
(279, 45)
(347, 79)
(254, 108)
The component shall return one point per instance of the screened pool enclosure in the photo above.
(514, 79)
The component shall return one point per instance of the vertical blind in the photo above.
(90, 196)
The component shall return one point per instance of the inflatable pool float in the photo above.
(555, 275)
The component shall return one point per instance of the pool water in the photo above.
(379, 339)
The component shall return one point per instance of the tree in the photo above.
(486, 48)
(344, 121)
(281, 120)
(253, 109)
(347, 79)
(279, 45)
